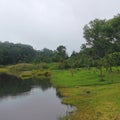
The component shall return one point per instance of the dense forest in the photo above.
(102, 48)
(11, 53)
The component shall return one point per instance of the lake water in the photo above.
(23, 101)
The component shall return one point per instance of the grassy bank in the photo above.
(93, 98)
(27, 71)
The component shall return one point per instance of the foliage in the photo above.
(61, 54)
(102, 45)
(113, 59)
(15, 53)
(103, 36)
(44, 55)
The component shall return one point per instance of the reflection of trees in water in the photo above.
(44, 84)
(12, 85)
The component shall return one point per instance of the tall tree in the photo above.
(95, 38)
(61, 54)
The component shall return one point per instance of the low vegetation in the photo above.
(27, 71)
(93, 98)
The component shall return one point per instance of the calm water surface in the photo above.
(30, 101)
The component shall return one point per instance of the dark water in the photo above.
(29, 100)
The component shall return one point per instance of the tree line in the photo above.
(102, 48)
(11, 53)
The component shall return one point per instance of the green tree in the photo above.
(61, 54)
(44, 55)
(14, 53)
(95, 37)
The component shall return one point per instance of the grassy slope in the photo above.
(94, 99)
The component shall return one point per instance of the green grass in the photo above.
(102, 102)
(83, 77)
(93, 98)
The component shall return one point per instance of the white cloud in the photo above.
(49, 23)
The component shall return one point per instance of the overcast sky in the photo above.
(50, 23)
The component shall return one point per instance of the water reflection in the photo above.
(12, 85)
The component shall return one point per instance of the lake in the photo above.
(30, 100)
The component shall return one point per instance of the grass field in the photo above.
(93, 98)
(83, 77)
